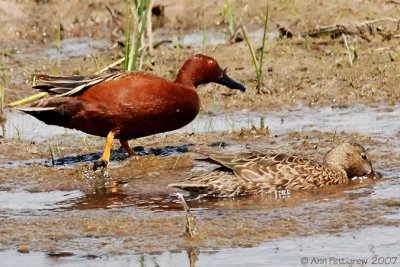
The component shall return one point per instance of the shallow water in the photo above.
(69, 48)
(132, 219)
(208, 37)
(29, 202)
(84, 47)
(365, 246)
(380, 123)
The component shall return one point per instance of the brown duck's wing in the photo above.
(70, 86)
(54, 110)
(232, 160)
(267, 174)
(289, 172)
(249, 177)
(216, 184)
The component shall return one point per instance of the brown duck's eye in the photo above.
(363, 156)
(212, 63)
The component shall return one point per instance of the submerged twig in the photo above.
(193, 254)
(52, 156)
(191, 227)
(176, 162)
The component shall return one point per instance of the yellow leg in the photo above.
(105, 158)
(127, 148)
(107, 149)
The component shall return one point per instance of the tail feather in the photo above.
(70, 86)
(36, 109)
(59, 90)
(46, 77)
(51, 89)
(49, 115)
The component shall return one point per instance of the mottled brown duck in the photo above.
(256, 172)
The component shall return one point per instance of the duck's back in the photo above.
(284, 171)
(258, 173)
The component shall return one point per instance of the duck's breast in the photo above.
(140, 105)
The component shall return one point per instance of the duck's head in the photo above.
(201, 69)
(350, 157)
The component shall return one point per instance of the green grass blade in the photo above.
(142, 12)
(251, 48)
(127, 31)
(263, 44)
(28, 99)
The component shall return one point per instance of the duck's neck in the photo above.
(186, 76)
(337, 168)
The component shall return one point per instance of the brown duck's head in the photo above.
(201, 69)
(350, 157)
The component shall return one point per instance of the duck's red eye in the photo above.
(212, 63)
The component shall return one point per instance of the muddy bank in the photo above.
(308, 70)
(133, 210)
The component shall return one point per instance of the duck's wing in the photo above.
(265, 173)
(247, 178)
(64, 86)
(230, 161)
(216, 184)
(288, 172)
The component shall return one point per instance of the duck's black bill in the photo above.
(230, 83)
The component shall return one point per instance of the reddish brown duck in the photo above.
(129, 105)
(256, 172)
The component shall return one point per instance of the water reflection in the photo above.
(24, 203)
(193, 255)
(113, 196)
(366, 244)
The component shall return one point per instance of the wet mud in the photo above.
(133, 210)
(54, 210)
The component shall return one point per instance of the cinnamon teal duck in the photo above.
(127, 105)
(257, 172)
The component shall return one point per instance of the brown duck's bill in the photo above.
(230, 83)
(373, 175)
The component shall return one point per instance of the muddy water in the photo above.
(55, 216)
(378, 122)
(365, 245)
(69, 48)
(64, 218)
(209, 37)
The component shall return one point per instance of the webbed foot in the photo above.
(101, 163)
